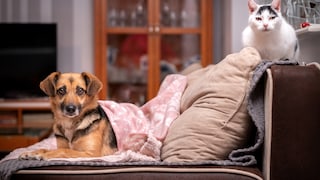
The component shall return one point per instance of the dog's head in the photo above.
(71, 93)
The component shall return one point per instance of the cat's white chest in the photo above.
(271, 46)
(274, 51)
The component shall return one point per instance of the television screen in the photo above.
(28, 53)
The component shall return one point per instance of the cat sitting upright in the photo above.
(269, 32)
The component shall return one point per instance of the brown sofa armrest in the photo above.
(295, 126)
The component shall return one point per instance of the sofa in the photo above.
(288, 148)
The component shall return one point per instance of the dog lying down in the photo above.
(86, 127)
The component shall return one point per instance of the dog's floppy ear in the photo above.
(93, 84)
(48, 85)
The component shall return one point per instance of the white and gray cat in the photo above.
(269, 32)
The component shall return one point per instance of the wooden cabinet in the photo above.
(138, 42)
(23, 123)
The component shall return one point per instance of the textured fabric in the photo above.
(214, 119)
(142, 129)
(136, 172)
(246, 155)
(256, 110)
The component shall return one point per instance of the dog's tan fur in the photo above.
(80, 127)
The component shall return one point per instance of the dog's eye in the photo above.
(80, 91)
(61, 91)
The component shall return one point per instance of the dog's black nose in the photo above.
(71, 108)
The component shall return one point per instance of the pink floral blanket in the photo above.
(139, 130)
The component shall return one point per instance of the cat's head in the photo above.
(266, 17)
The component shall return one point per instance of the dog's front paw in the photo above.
(33, 155)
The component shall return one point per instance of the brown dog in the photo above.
(81, 127)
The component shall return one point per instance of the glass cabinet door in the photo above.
(127, 67)
(180, 29)
(127, 50)
(139, 42)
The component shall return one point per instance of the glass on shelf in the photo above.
(127, 68)
(183, 13)
(178, 52)
(127, 13)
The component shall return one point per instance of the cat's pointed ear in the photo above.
(276, 4)
(252, 5)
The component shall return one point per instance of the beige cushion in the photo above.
(214, 119)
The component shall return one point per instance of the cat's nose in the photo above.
(265, 25)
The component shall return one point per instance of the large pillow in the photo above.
(214, 118)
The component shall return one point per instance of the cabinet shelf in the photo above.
(180, 30)
(166, 30)
(23, 123)
(125, 30)
(19, 104)
(313, 28)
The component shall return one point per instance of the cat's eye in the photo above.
(272, 17)
(258, 18)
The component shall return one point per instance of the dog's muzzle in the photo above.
(71, 110)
